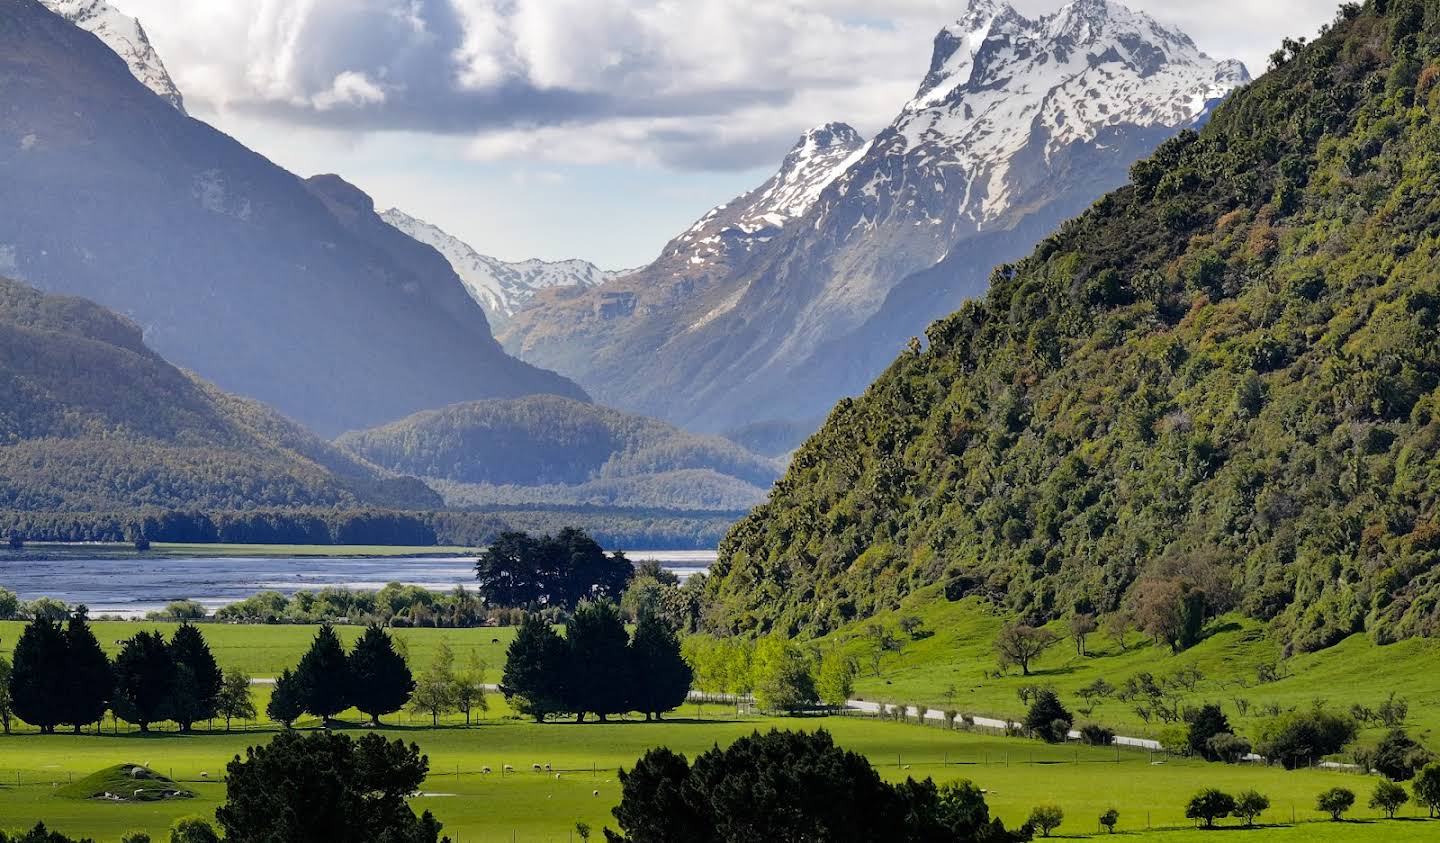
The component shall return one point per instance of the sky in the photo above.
(595, 129)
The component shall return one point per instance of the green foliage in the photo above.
(1427, 787)
(1399, 756)
(323, 676)
(1335, 802)
(1303, 737)
(1210, 805)
(536, 670)
(601, 669)
(1047, 719)
(326, 787)
(380, 679)
(1250, 804)
(1259, 412)
(88, 679)
(37, 690)
(784, 680)
(836, 682)
(790, 786)
(235, 701)
(1109, 819)
(520, 570)
(1047, 818)
(144, 678)
(660, 677)
(435, 693)
(197, 678)
(1205, 723)
(193, 830)
(1388, 797)
(287, 701)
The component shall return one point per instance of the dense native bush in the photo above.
(1251, 407)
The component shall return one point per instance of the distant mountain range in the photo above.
(552, 450)
(774, 305)
(287, 290)
(500, 287)
(95, 420)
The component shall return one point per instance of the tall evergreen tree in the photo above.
(196, 686)
(380, 678)
(324, 676)
(287, 701)
(89, 679)
(144, 674)
(660, 675)
(535, 670)
(599, 678)
(37, 684)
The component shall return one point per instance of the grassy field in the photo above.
(530, 806)
(954, 668)
(264, 651)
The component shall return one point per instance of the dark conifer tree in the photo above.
(660, 676)
(599, 678)
(89, 679)
(144, 674)
(198, 679)
(535, 670)
(380, 678)
(37, 677)
(324, 676)
(286, 701)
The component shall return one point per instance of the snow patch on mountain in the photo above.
(738, 227)
(127, 38)
(500, 287)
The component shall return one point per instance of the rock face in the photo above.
(500, 287)
(294, 292)
(127, 38)
(776, 304)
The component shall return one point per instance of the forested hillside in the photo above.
(547, 449)
(1223, 375)
(93, 419)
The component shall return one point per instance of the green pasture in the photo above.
(954, 669)
(1149, 791)
(265, 650)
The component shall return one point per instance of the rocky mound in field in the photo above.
(1225, 372)
(125, 783)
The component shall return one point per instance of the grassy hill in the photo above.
(1224, 373)
(94, 419)
(547, 449)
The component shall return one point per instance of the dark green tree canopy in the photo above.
(198, 679)
(660, 676)
(380, 678)
(520, 570)
(599, 676)
(326, 788)
(144, 678)
(323, 676)
(89, 679)
(537, 667)
(37, 690)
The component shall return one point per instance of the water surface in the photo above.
(132, 586)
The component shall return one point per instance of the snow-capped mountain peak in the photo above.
(499, 287)
(127, 38)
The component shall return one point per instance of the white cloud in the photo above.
(350, 88)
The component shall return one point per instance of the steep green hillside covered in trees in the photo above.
(93, 419)
(548, 449)
(1224, 373)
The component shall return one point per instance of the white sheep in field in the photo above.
(557, 776)
(507, 769)
(594, 793)
(485, 770)
(535, 767)
(547, 768)
(204, 775)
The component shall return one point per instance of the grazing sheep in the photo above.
(204, 775)
(492, 641)
(594, 793)
(535, 767)
(485, 770)
(557, 776)
(547, 768)
(507, 769)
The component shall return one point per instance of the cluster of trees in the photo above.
(1104, 341)
(60, 676)
(781, 675)
(374, 678)
(559, 571)
(1211, 804)
(395, 605)
(596, 668)
(792, 786)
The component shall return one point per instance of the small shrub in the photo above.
(1335, 802)
(1399, 756)
(1093, 735)
(1047, 818)
(1251, 804)
(193, 830)
(1048, 719)
(1227, 747)
(1388, 797)
(1210, 805)
(1109, 819)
